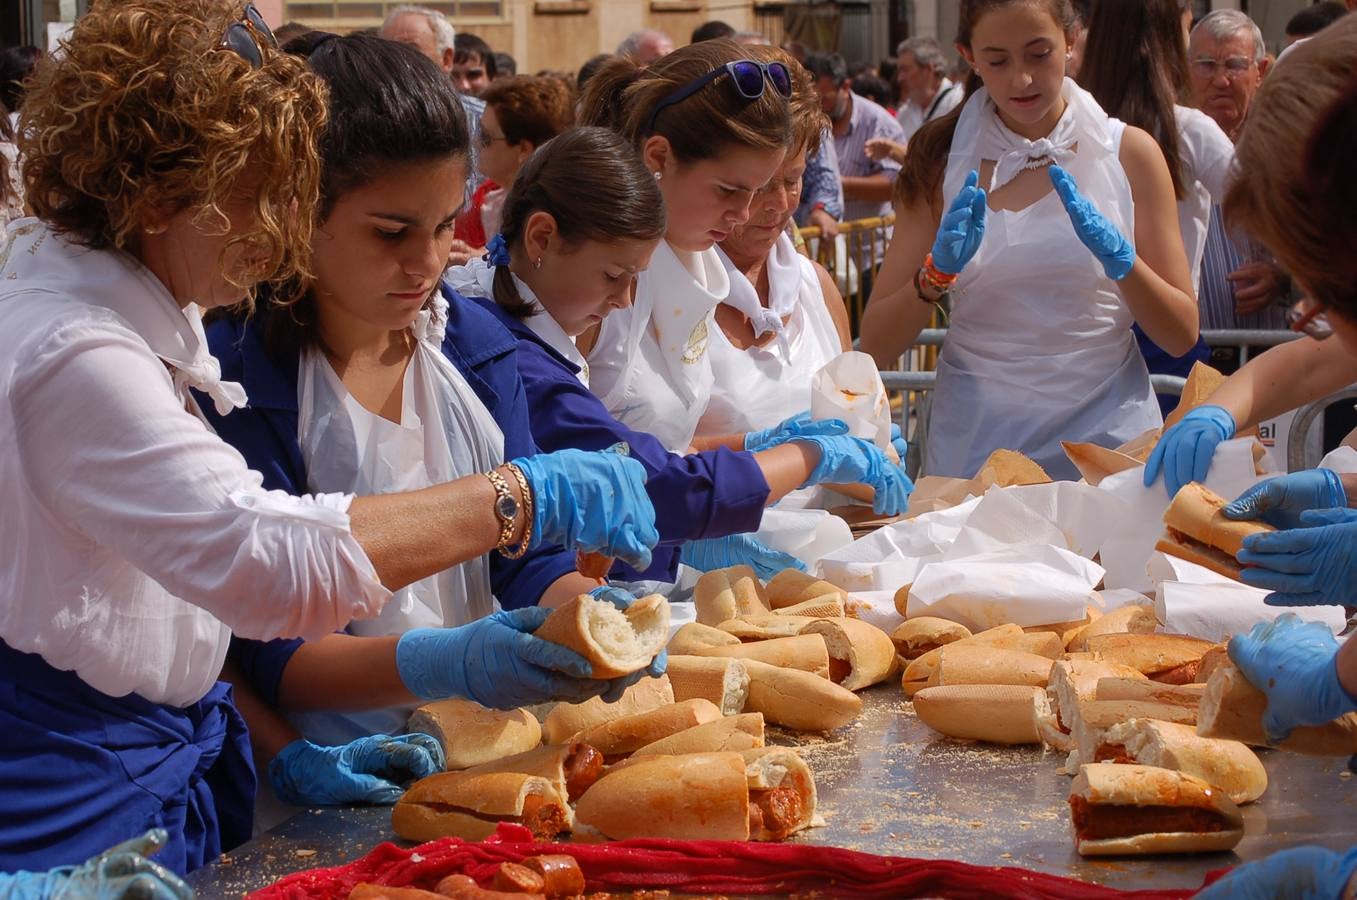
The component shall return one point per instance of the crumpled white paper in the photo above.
(876, 608)
(849, 387)
(891, 556)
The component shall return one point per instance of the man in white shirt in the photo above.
(929, 94)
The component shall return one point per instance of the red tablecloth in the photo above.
(697, 867)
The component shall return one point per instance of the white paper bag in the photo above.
(849, 387)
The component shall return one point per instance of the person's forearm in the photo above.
(715, 441)
(786, 467)
(343, 672)
(895, 315)
(1284, 378)
(1167, 315)
(566, 588)
(869, 188)
(270, 732)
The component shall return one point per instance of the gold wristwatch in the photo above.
(506, 510)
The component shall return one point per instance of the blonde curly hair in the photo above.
(147, 114)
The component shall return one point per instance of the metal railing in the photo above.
(853, 261)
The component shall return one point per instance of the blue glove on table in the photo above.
(799, 425)
(1098, 234)
(1301, 873)
(1294, 664)
(368, 770)
(961, 229)
(1280, 501)
(622, 599)
(845, 459)
(595, 502)
(119, 873)
(738, 550)
(1185, 451)
(1313, 565)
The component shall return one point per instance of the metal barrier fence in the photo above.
(852, 258)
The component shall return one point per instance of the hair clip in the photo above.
(497, 251)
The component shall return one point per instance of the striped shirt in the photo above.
(866, 121)
(1215, 295)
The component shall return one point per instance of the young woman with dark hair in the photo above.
(1052, 228)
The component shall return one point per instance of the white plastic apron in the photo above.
(650, 365)
(1040, 347)
(445, 433)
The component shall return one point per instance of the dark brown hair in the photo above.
(531, 108)
(920, 179)
(594, 185)
(622, 96)
(1295, 188)
(1135, 66)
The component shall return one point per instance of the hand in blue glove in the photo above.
(898, 442)
(622, 599)
(961, 229)
(595, 502)
(368, 770)
(1185, 451)
(1280, 501)
(1295, 664)
(845, 459)
(1314, 565)
(1099, 235)
(738, 550)
(799, 425)
(1301, 873)
(119, 873)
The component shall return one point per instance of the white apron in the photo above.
(445, 433)
(650, 366)
(1040, 347)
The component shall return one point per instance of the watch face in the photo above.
(506, 508)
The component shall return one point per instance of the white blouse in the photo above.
(1207, 154)
(119, 500)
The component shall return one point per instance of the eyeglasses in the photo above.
(486, 138)
(1234, 66)
(748, 76)
(243, 37)
(1307, 316)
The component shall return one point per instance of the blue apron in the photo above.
(81, 771)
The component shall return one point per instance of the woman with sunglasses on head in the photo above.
(1051, 228)
(139, 540)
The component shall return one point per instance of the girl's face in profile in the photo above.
(706, 200)
(580, 285)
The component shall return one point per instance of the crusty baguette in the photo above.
(1108, 784)
(773, 768)
(1210, 661)
(695, 636)
(1188, 695)
(860, 654)
(1074, 681)
(1197, 530)
(996, 713)
(799, 700)
(1127, 619)
(961, 663)
(723, 594)
(915, 637)
(1232, 709)
(566, 719)
(570, 768)
(923, 670)
(724, 682)
(1150, 654)
(792, 586)
(830, 606)
(1093, 718)
(691, 797)
(1229, 766)
(621, 737)
(806, 652)
(457, 804)
(731, 733)
(763, 626)
(471, 734)
(615, 642)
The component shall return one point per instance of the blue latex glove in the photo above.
(1301, 873)
(1099, 235)
(622, 599)
(119, 873)
(595, 502)
(1280, 501)
(898, 442)
(368, 770)
(738, 550)
(799, 425)
(961, 229)
(1295, 664)
(1185, 451)
(845, 459)
(1313, 565)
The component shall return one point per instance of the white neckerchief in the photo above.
(117, 281)
(1014, 153)
(784, 290)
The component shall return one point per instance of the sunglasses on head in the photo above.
(1307, 316)
(748, 76)
(244, 37)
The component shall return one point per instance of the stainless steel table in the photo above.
(890, 785)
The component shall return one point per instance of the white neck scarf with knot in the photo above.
(201, 371)
(784, 290)
(1014, 154)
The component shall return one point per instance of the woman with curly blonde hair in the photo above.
(172, 156)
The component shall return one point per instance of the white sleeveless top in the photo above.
(761, 386)
(1040, 348)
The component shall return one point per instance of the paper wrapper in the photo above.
(1003, 468)
(875, 608)
(892, 556)
(1197, 601)
(849, 388)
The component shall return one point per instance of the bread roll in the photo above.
(1197, 530)
(860, 654)
(571, 768)
(792, 586)
(1187, 695)
(1233, 709)
(764, 626)
(806, 652)
(1172, 812)
(567, 719)
(915, 637)
(732, 733)
(799, 700)
(694, 636)
(724, 682)
(1150, 654)
(974, 664)
(691, 797)
(774, 771)
(471, 734)
(621, 737)
(456, 804)
(830, 606)
(1226, 765)
(1210, 661)
(1074, 682)
(616, 642)
(724, 594)
(923, 671)
(1127, 619)
(1093, 718)
(996, 713)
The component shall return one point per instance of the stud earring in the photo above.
(155, 229)
(659, 175)
(537, 263)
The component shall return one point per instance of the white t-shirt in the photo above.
(912, 117)
(1207, 155)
